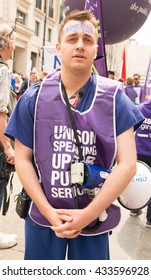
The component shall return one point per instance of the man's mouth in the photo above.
(79, 56)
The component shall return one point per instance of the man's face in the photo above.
(136, 79)
(78, 46)
(111, 76)
(33, 77)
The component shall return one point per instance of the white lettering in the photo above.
(62, 132)
(56, 161)
(62, 178)
(65, 160)
(54, 192)
(56, 146)
(54, 177)
(61, 192)
(59, 160)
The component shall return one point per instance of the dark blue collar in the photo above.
(88, 94)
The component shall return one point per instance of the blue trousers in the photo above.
(41, 243)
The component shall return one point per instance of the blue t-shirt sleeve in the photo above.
(21, 123)
(127, 114)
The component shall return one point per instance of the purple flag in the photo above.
(100, 63)
(147, 86)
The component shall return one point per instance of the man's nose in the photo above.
(80, 45)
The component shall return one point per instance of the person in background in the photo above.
(121, 80)
(130, 91)
(63, 215)
(138, 88)
(111, 75)
(28, 82)
(42, 75)
(18, 82)
(143, 146)
(23, 77)
(7, 45)
(13, 82)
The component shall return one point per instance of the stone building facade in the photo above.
(36, 24)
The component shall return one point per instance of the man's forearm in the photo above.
(30, 182)
(5, 141)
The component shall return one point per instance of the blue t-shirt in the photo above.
(21, 123)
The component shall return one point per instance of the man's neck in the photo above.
(73, 82)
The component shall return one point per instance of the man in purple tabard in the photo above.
(66, 220)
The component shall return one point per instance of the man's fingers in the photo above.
(65, 218)
(60, 228)
(68, 235)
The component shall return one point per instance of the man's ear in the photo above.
(58, 49)
(97, 47)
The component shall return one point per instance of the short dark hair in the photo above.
(111, 72)
(136, 74)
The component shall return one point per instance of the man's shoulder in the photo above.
(108, 80)
(109, 85)
(30, 94)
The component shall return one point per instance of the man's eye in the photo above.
(71, 39)
(88, 40)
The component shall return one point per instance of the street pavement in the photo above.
(131, 240)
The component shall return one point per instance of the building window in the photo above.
(61, 14)
(33, 59)
(49, 34)
(38, 4)
(37, 24)
(51, 9)
(20, 17)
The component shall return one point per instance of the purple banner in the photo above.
(100, 63)
(147, 85)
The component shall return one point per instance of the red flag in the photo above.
(123, 68)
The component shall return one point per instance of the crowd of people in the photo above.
(21, 82)
(132, 87)
(64, 217)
